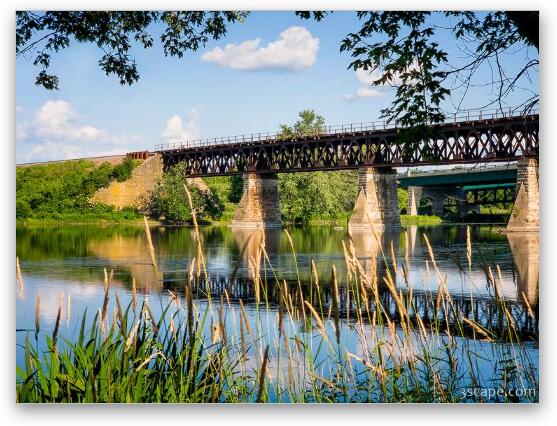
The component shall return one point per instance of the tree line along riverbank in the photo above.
(61, 193)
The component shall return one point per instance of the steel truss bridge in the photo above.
(466, 140)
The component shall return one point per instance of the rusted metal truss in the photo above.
(491, 196)
(502, 139)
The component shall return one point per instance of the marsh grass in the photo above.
(287, 345)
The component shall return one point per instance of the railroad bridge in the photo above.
(375, 149)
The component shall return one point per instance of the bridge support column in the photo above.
(259, 205)
(525, 216)
(377, 203)
(413, 200)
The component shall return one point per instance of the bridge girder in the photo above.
(481, 141)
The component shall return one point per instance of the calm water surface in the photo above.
(62, 263)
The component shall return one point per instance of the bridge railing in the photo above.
(463, 116)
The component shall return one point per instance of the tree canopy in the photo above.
(405, 49)
(43, 34)
(309, 195)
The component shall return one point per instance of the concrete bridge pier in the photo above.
(525, 216)
(437, 197)
(259, 206)
(377, 203)
(413, 200)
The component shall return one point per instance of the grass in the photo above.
(127, 216)
(285, 345)
(420, 220)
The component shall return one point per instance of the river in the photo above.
(66, 264)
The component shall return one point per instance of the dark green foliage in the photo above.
(404, 46)
(115, 34)
(58, 189)
(308, 196)
(138, 360)
(169, 199)
(314, 195)
(236, 188)
(123, 171)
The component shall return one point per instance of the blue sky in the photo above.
(277, 66)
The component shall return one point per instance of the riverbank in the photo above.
(131, 217)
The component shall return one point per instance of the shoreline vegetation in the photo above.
(191, 353)
(60, 193)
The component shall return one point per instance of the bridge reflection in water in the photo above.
(255, 255)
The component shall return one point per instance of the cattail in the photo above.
(134, 294)
(317, 319)
(37, 314)
(334, 287)
(69, 307)
(20, 289)
(105, 305)
(245, 317)
(173, 329)
(131, 336)
(106, 280)
(528, 307)
(56, 328)
(119, 312)
(192, 209)
(468, 247)
(262, 375)
(150, 247)
(393, 258)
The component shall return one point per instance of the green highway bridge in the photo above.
(466, 188)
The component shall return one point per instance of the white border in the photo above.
(413, 415)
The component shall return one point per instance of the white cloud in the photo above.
(57, 132)
(21, 130)
(177, 129)
(295, 50)
(366, 88)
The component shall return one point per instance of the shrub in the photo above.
(169, 200)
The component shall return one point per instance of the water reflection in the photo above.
(252, 243)
(526, 254)
(72, 259)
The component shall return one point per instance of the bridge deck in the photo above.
(479, 141)
(459, 177)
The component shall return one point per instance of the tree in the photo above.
(308, 195)
(169, 199)
(404, 48)
(115, 33)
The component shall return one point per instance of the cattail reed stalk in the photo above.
(262, 375)
(101, 323)
(317, 319)
(243, 341)
(393, 258)
(468, 247)
(334, 288)
(69, 307)
(119, 312)
(134, 295)
(105, 304)
(20, 288)
(56, 329)
(528, 307)
(150, 247)
(245, 317)
(37, 314)
(173, 329)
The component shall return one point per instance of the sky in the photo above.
(259, 76)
